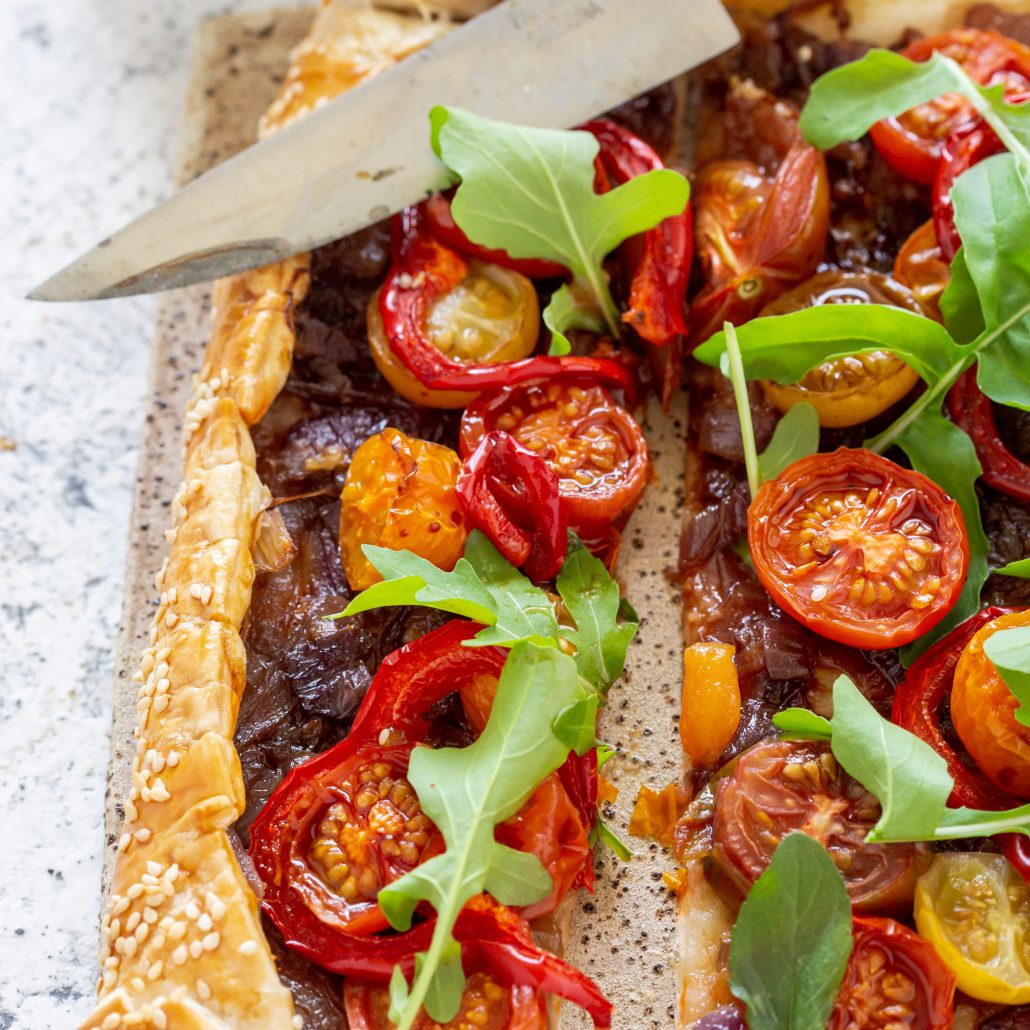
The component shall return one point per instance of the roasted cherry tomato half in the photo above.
(918, 703)
(894, 980)
(971, 409)
(485, 1005)
(983, 710)
(400, 493)
(344, 824)
(859, 549)
(974, 908)
(785, 786)
(491, 315)
(853, 389)
(912, 142)
(758, 231)
(594, 445)
(920, 266)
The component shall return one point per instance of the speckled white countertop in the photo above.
(92, 95)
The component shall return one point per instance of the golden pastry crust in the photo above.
(182, 940)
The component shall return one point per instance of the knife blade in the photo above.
(366, 154)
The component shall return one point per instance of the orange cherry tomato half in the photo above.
(912, 142)
(485, 1005)
(791, 785)
(894, 979)
(921, 267)
(983, 711)
(399, 493)
(594, 445)
(859, 549)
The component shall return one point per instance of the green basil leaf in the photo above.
(784, 347)
(466, 792)
(530, 192)
(944, 453)
(1020, 569)
(483, 587)
(796, 436)
(792, 939)
(592, 599)
(1009, 650)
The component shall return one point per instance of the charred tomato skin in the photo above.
(894, 979)
(858, 549)
(784, 786)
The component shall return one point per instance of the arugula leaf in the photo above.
(576, 726)
(568, 310)
(1009, 649)
(796, 436)
(844, 103)
(992, 213)
(606, 835)
(784, 347)
(792, 939)
(1020, 569)
(530, 192)
(483, 587)
(960, 306)
(910, 780)
(945, 454)
(592, 599)
(467, 792)
(800, 722)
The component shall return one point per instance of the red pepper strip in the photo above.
(967, 145)
(493, 939)
(502, 479)
(661, 266)
(441, 224)
(579, 778)
(424, 270)
(917, 704)
(970, 409)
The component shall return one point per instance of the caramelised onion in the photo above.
(274, 548)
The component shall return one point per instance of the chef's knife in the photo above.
(366, 154)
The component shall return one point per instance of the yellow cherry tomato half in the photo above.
(710, 704)
(399, 493)
(974, 908)
(921, 267)
(491, 316)
(983, 711)
(846, 391)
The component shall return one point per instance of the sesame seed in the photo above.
(211, 941)
(161, 703)
(204, 923)
(111, 1021)
(111, 962)
(218, 909)
(128, 945)
(142, 835)
(159, 792)
(196, 949)
(119, 905)
(145, 793)
(132, 922)
(163, 685)
(203, 991)
(155, 970)
(123, 842)
(141, 932)
(159, 1019)
(179, 955)
(173, 759)
(171, 619)
(157, 942)
(150, 879)
(137, 983)
(158, 763)
(177, 930)
(134, 891)
(248, 948)
(131, 813)
(192, 911)
(150, 915)
(384, 736)
(195, 590)
(110, 979)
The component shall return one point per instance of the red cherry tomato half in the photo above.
(859, 549)
(594, 445)
(485, 1005)
(912, 142)
(786, 786)
(894, 979)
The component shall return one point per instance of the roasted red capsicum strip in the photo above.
(971, 409)
(512, 495)
(659, 258)
(441, 223)
(424, 270)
